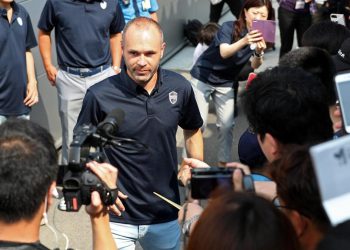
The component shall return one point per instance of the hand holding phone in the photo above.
(267, 28)
(205, 180)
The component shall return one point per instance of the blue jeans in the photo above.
(3, 118)
(165, 236)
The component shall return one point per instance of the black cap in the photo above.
(342, 58)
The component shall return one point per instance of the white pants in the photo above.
(71, 90)
(223, 98)
(162, 236)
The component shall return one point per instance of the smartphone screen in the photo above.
(267, 28)
(342, 82)
(338, 18)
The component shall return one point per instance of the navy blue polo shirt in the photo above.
(82, 30)
(211, 68)
(153, 120)
(16, 38)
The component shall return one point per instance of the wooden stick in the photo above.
(168, 201)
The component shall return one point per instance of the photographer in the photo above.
(28, 169)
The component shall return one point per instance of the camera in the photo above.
(205, 180)
(88, 143)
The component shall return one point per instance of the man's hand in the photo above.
(184, 174)
(51, 73)
(32, 96)
(108, 175)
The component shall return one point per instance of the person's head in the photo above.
(325, 35)
(242, 221)
(287, 106)
(317, 62)
(143, 48)
(208, 32)
(342, 58)
(337, 238)
(298, 195)
(252, 10)
(28, 170)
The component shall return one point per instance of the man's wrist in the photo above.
(186, 228)
(116, 68)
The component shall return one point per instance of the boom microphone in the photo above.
(110, 125)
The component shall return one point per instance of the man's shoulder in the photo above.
(172, 77)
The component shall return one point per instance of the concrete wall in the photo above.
(173, 14)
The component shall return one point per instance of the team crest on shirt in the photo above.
(173, 97)
(19, 21)
(103, 5)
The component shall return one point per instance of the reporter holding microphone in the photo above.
(218, 68)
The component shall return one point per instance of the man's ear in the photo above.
(269, 145)
(50, 198)
(299, 222)
(162, 50)
(273, 144)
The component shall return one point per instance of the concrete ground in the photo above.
(76, 226)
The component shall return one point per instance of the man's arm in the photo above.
(194, 143)
(194, 149)
(45, 51)
(32, 88)
(116, 50)
(154, 16)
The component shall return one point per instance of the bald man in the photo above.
(155, 102)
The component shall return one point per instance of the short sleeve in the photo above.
(30, 38)
(118, 22)
(224, 34)
(47, 19)
(191, 118)
(154, 6)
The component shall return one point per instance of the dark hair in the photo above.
(240, 24)
(325, 35)
(242, 221)
(28, 166)
(289, 104)
(297, 185)
(337, 238)
(317, 62)
(208, 32)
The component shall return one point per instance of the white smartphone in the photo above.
(338, 18)
(342, 83)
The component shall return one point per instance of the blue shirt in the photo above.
(132, 10)
(211, 68)
(16, 38)
(82, 30)
(151, 119)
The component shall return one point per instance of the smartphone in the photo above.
(205, 180)
(267, 28)
(338, 18)
(342, 83)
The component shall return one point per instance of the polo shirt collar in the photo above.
(14, 5)
(132, 85)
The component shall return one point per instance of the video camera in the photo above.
(88, 143)
(205, 180)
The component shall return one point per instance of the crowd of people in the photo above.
(115, 61)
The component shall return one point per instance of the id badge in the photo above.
(300, 4)
(146, 5)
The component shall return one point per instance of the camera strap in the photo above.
(110, 195)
